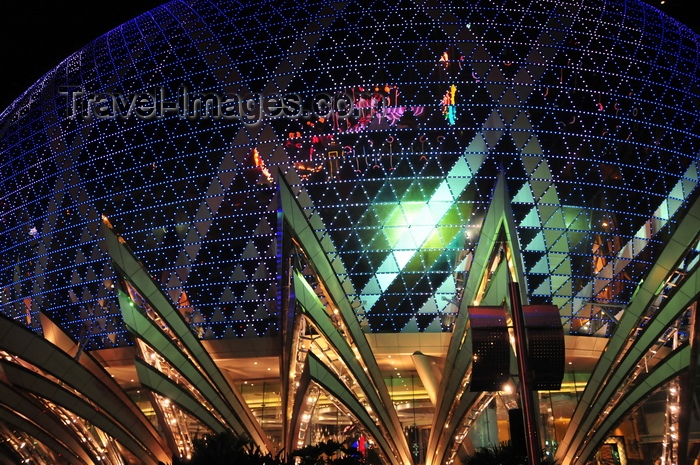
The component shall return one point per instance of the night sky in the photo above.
(36, 36)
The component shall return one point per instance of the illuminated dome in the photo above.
(430, 151)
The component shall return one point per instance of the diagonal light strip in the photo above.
(413, 236)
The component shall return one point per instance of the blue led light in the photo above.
(591, 114)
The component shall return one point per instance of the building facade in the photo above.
(283, 218)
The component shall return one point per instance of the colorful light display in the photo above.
(393, 125)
